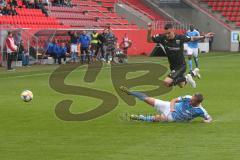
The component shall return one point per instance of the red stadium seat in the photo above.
(229, 9)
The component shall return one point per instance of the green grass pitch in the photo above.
(31, 131)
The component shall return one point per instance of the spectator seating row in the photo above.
(29, 18)
(141, 7)
(89, 14)
(230, 9)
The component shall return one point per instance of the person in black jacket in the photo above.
(102, 44)
(13, 3)
(24, 55)
(12, 11)
(39, 5)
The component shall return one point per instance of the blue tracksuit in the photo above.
(56, 49)
(84, 40)
(50, 48)
(62, 51)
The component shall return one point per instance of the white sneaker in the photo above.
(12, 69)
(196, 72)
(190, 80)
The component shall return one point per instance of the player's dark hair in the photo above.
(168, 26)
(199, 97)
(10, 32)
(192, 27)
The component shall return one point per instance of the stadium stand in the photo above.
(80, 14)
(90, 14)
(143, 8)
(228, 9)
(30, 18)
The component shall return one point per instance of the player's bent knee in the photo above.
(182, 84)
(165, 83)
(160, 118)
(150, 101)
(168, 82)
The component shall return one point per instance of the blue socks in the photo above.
(190, 64)
(139, 95)
(147, 118)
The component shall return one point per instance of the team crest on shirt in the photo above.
(178, 41)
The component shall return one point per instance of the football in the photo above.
(26, 96)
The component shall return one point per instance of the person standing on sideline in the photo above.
(23, 54)
(49, 48)
(126, 44)
(210, 43)
(84, 41)
(94, 43)
(62, 53)
(11, 48)
(102, 44)
(74, 45)
(55, 51)
(239, 41)
(111, 42)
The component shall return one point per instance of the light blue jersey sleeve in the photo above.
(184, 111)
(184, 98)
(204, 114)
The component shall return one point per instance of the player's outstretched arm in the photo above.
(149, 34)
(196, 38)
(172, 104)
(208, 119)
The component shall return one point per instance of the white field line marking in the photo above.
(106, 67)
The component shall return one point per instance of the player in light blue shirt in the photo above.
(188, 107)
(192, 50)
(181, 109)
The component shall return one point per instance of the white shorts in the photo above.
(192, 51)
(74, 48)
(163, 108)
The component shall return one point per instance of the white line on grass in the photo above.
(48, 73)
(107, 67)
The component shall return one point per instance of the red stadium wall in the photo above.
(140, 46)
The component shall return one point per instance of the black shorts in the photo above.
(178, 72)
(84, 51)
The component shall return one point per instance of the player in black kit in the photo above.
(172, 44)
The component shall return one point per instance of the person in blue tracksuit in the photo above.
(49, 48)
(62, 53)
(55, 51)
(85, 41)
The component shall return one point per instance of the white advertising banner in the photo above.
(234, 36)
